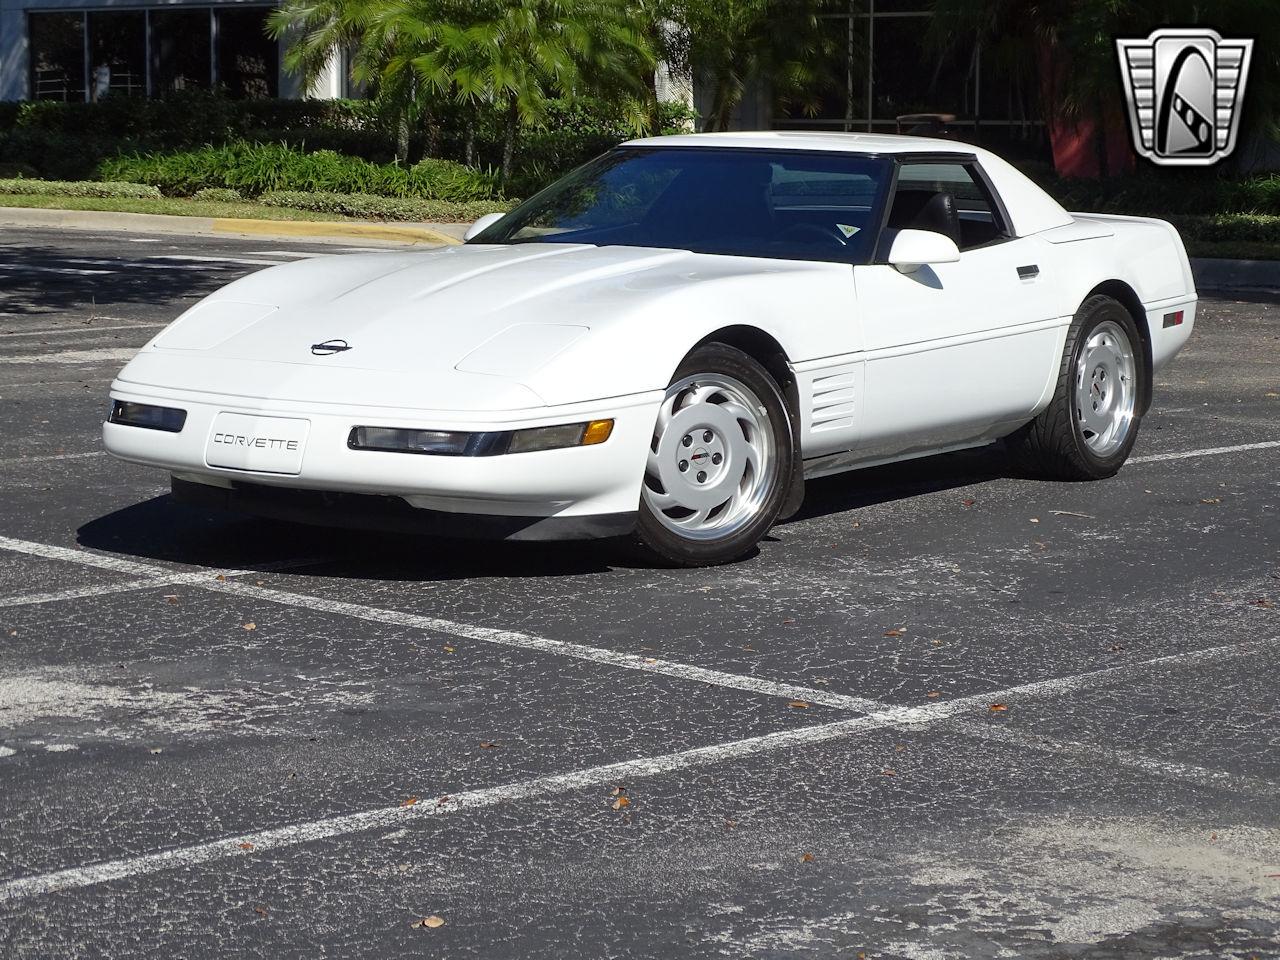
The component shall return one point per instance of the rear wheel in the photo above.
(719, 461)
(1091, 424)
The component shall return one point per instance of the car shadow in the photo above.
(161, 529)
(903, 480)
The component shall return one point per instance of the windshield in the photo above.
(753, 203)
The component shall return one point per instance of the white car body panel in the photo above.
(497, 337)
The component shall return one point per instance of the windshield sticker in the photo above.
(847, 230)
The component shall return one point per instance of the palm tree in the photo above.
(731, 44)
(509, 55)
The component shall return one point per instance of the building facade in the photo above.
(83, 51)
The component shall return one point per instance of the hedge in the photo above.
(69, 140)
(253, 169)
(217, 195)
(369, 207)
(64, 188)
(1230, 227)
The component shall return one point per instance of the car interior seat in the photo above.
(926, 210)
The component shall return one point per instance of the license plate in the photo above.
(261, 444)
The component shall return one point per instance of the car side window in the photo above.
(947, 198)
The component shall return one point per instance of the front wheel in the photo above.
(1091, 424)
(719, 461)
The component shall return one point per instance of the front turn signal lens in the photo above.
(597, 431)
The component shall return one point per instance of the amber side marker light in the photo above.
(597, 431)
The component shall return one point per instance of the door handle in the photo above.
(1029, 272)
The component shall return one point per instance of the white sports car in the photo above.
(665, 343)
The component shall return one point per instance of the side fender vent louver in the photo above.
(832, 406)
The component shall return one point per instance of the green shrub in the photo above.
(1230, 227)
(370, 207)
(217, 195)
(253, 169)
(73, 188)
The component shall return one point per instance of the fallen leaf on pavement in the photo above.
(260, 911)
(933, 694)
(895, 632)
(807, 858)
(968, 503)
(171, 597)
(220, 578)
(488, 745)
(448, 649)
(1211, 500)
(621, 802)
(998, 708)
(1072, 513)
(442, 801)
(1261, 602)
(250, 626)
(618, 791)
(798, 705)
(430, 922)
(408, 801)
(888, 772)
(1035, 519)
(730, 824)
(156, 750)
(246, 846)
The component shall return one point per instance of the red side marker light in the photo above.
(1173, 319)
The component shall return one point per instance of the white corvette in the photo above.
(666, 343)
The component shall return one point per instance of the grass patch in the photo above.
(170, 206)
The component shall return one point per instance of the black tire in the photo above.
(1053, 446)
(655, 541)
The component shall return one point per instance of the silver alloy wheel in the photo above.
(710, 468)
(1106, 388)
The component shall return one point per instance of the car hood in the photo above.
(473, 327)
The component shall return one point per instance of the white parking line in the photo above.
(75, 356)
(193, 258)
(1206, 452)
(262, 841)
(51, 457)
(64, 271)
(81, 328)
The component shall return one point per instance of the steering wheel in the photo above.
(815, 232)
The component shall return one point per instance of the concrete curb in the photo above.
(320, 230)
(1236, 275)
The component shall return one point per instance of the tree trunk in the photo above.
(402, 136)
(469, 145)
(509, 137)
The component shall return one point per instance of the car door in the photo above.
(954, 352)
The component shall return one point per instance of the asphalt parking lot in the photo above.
(945, 712)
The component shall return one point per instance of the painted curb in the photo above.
(204, 226)
(326, 228)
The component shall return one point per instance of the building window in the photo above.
(117, 54)
(57, 56)
(90, 55)
(181, 51)
(880, 68)
(248, 60)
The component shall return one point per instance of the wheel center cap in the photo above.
(701, 456)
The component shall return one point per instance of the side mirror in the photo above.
(912, 249)
(488, 220)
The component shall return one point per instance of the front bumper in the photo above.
(572, 482)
